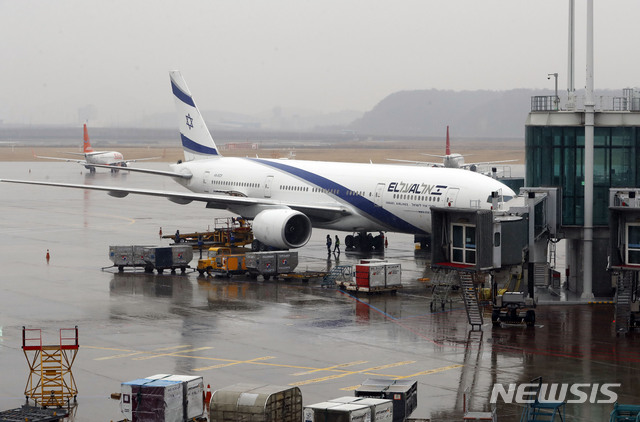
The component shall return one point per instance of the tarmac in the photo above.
(323, 340)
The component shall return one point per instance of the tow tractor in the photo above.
(513, 308)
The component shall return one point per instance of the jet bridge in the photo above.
(512, 236)
(624, 255)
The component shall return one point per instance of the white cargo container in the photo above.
(337, 412)
(393, 274)
(381, 409)
(192, 390)
(370, 276)
(157, 400)
(317, 412)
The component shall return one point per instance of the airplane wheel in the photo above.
(348, 241)
(255, 245)
(530, 318)
(495, 318)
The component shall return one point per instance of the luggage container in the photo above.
(271, 263)
(261, 263)
(337, 412)
(171, 258)
(381, 409)
(393, 275)
(192, 393)
(256, 403)
(127, 256)
(403, 394)
(286, 261)
(147, 400)
(371, 276)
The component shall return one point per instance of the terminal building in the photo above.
(554, 151)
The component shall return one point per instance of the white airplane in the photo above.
(287, 198)
(454, 160)
(93, 159)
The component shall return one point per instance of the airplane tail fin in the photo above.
(87, 145)
(448, 147)
(197, 142)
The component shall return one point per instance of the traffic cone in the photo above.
(48, 256)
(207, 396)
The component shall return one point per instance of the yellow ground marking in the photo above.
(330, 368)
(345, 373)
(132, 352)
(430, 371)
(197, 349)
(427, 372)
(235, 362)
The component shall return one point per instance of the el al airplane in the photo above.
(93, 159)
(287, 198)
(454, 160)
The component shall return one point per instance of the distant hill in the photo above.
(470, 114)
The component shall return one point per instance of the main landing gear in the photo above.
(364, 242)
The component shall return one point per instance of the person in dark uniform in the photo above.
(336, 248)
(328, 244)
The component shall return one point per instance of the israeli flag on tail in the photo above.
(196, 139)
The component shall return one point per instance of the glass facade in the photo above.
(555, 157)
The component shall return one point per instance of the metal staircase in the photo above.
(51, 382)
(443, 283)
(623, 301)
(338, 274)
(470, 299)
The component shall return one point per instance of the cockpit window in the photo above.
(505, 198)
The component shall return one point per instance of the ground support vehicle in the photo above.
(513, 308)
(304, 276)
(223, 261)
(230, 232)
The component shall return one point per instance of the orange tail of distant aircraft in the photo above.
(448, 148)
(87, 144)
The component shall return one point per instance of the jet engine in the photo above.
(282, 228)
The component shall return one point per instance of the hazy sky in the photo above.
(248, 56)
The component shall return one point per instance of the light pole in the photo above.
(556, 100)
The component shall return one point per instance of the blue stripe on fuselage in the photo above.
(182, 96)
(196, 147)
(358, 201)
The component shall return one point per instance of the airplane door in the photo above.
(205, 180)
(378, 194)
(452, 194)
(267, 186)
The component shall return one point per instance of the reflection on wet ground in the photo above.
(325, 341)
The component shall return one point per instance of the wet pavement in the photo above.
(234, 330)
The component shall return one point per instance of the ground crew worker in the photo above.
(160, 232)
(328, 244)
(177, 239)
(337, 245)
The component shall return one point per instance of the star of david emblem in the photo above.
(189, 121)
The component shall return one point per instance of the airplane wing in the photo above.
(70, 160)
(140, 159)
(486, 163)
(149, 171)
(220, 200)
(424, 163)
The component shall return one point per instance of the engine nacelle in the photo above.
(282, 228)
